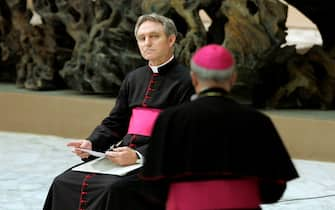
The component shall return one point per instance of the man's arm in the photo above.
(115, 125)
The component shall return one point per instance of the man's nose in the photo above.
(147, 41)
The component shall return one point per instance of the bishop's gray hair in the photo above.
(207, 74)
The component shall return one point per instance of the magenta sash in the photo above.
(142, 121)
(214, 194)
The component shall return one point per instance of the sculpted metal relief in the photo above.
(89, 46)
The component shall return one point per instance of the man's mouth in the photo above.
(148, 50)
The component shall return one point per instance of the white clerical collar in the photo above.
(155, 68)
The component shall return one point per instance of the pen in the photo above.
(115, 145)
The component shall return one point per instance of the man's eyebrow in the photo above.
(150, 32)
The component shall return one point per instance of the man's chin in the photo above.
(149, 58)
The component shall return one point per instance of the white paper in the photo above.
(91, 152)
(104, 166)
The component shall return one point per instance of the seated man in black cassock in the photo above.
(214, 152)
(143, 94)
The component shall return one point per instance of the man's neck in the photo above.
(155, 67)
(204, 86)
(161, 60)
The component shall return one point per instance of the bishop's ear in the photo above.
(194, 78)
(233, 78)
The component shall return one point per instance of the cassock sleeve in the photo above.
(271, 191)
(115, 125)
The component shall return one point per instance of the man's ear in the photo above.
(194, 78)
(233, 78)
(172, 40)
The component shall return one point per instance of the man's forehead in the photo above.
(150, 27)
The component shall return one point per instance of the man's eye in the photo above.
(141, 38)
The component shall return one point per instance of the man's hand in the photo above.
(122, 156)
(84, 144)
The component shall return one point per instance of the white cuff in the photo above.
(140, 157)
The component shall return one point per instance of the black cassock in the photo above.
(214, 137)
(141, 88)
